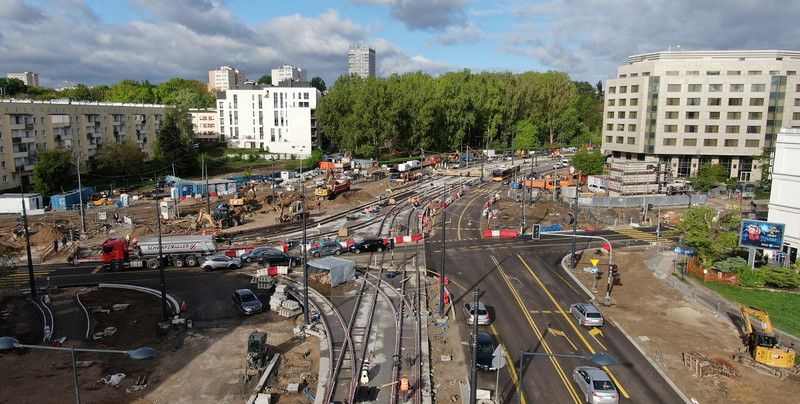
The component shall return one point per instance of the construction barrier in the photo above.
(500, 233)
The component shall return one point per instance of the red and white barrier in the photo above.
(500, 233)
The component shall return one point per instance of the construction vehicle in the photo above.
(223, 217)
(256, 354)
(332, 188)
(297, 211)
(544, 183)
(103, 201)
(762, 351)
(241, 199)
(179, 251)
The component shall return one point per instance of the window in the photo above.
(620, 127)
(734, 73)
(712, 73)
(796, 116)
(611, 102)
(714, 88)
(690, 142)
(672, 72)
(734, 115)
(673, 101)
(737, 88)
(734, 101)
(671, 115)
(612, 90)
(757, 88)
(791, 73)
(756, 102)
(797, 102)
(670, 141)
(673, 88)
(753, 129)
(751, 143)
(634, 74)
(731, 142)
(633, 114)
(710, 142)
(690, 128)
(713, 115)
(712, 129)
(634, 102)
(670, 128)
(692, 115)
(609, 126)
(715, 101)
(694, 88)
(692, 101)
(631, 127)
(635, 88)
(622, 102)
(754, 72)
(623, 89)
(731, 128)
(610, 114)
(609, 139)
(693, 73)
(774, 72)
(619, 139)
(621, 115)
(631, 140)
(755, 116)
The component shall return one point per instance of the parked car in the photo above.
(457, 165)
(326, 248)
(485, 349)
(246, 301)
(255, 253)
(220, 262)
(368, 245)
(587, 315)
(469, 313)
(275, 258)
(596, 386)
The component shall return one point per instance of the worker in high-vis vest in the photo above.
(404, 388)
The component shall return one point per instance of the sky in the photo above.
(97, 42)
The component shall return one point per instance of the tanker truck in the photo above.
(178, 251)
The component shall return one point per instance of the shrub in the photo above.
(731, 265)
(780, 277)
(291, 165)
(751, 278)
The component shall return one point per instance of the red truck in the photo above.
(176, 250)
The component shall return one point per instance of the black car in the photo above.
(485, 350)
(276, 258)
(246, 301)
(368, 245)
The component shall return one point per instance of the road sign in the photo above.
(499, 357)
(595, 262)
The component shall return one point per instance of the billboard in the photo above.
(758, 234)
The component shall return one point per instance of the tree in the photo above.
(313, 160)
(12, 87)
(590, 163)
(53, 169)
(174, 142)
(266, 79)
(709, 176)
(132, 92)
(318, 83)
(184, 94)
(119, 158)
(713, 234)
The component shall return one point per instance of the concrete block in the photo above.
(293, 388)
(290, 304)
(446, 358)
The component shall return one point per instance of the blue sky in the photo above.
(104, 41)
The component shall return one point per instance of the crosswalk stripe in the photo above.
(637, 234)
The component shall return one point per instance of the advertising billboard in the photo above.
(758, 234)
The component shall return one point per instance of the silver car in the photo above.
(587, 315)
(483, 314)
(326, 248)
(246, 301)
(220, 262)
(596, 386)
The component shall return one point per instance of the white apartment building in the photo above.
(204, 124)
(224, 78)
(689, 108)
(30, 79)
(288, 72)
(785, 193)
(361, 61)
(278, 119)
(29, 126)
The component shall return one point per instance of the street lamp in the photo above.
(7, 343)
(80, 194)
(599, 358)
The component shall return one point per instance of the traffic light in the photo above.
(614, 271)
(649, 207)
(536, 231)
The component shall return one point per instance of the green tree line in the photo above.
(403, 114)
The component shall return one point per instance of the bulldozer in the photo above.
(762, 351)
(256, 354)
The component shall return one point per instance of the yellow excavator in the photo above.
(762, 351)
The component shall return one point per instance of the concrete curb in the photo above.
(170, 299)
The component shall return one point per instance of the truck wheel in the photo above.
(116, 266)
(152, 263)
(179, 263)
(191, 261)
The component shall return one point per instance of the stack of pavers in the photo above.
(282, 304)
(262, 279)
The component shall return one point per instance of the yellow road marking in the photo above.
(96, 270)
(461, 216)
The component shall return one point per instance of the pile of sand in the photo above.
(352, 198)
(46, 235)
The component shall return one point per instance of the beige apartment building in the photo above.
(27, 127)
(30, 79)
(684, 109)
(224, 78)
(361, 61)
(204, 124)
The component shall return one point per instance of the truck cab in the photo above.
(115, 253)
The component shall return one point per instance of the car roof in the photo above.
(481, 306)
(484, 337)
(244, 292)
(588, 307)
(595, 373)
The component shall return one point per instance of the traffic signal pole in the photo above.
(610, 259)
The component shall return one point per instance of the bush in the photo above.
(751, 278)
(290, 165)
(780, 277)
(731, 265)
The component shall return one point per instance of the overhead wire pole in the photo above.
(575, 227)
(304, 257)
(164, 314)
(27, 238)
(473, 385)
(441, 281)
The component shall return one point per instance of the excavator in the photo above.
(762, 351)
(332, 187)
(241, 199)
(297, 209)
(225, 216)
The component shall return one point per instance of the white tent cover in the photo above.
(340, 270)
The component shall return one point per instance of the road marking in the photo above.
(637, 234)
(96, 270)
(539, 335)
(461, 217)
(562, 334)
(18, 277)
(574, 327)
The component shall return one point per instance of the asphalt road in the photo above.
(528, 296)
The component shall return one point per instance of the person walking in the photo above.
(64, 241)
(404, 388)
(55, 245)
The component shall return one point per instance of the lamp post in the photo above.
(7, 343)
(600, 359)
(80, 195)
(31, 276)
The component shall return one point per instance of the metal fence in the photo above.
(617, 202)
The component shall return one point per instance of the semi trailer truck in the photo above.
(179, 251)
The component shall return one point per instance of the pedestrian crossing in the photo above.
(15, 278)
(637, 234)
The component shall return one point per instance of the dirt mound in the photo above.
(46, 235)
(356, 197)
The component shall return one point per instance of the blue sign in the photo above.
(758, 234)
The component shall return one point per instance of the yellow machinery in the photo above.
(764, 353)
(204, 219)
(103, 201)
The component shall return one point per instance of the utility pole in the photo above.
(208, 191)
(473, 391)
(27, 238)
(441, 281)
(80, 196)
(575, 227)
(305, 250)
(164, 314)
